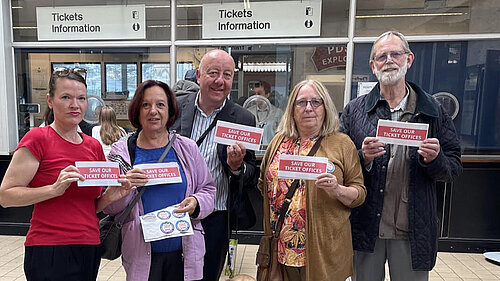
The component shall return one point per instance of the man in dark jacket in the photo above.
(398, 221)
(232, 167)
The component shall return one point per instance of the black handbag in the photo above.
(110, 227)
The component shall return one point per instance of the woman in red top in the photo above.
(63, 240)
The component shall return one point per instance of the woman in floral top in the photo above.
(315, 239)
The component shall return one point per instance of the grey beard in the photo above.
(391, 79)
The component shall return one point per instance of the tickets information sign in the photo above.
(101, 22)
(301, 167)
(404, 133)
(261, 19)
(98, 173)
(161, 173)
(230, 133)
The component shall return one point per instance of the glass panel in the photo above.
(121, 79)
(34, 66)
(334, 17)
(25, 24)
(182, 68)
(93, 75)
(464, 76)
(427, 17)
(156, 71)
(282, 67)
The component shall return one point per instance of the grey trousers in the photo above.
(371, 266)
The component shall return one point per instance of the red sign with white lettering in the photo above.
(302, 166)
(165, 172)
(325, 57)
(99, 173)
(403, 133)
(238, 135)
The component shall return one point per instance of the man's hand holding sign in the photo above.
(403, 133)
(238, 138)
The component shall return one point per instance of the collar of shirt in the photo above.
(402, 105)
(202, 112)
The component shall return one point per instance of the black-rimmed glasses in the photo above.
(65, 71)
(396, 55)
(315, 103)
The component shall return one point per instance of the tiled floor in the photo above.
(449, 267)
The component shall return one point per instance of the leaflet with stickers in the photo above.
(164, 223)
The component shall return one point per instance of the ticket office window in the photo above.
(281, 66)
(110, 74)
(121, 79)
(93, 77)
(463, 76)
(161, 71)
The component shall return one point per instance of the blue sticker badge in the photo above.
(182, 226)
(330, 167)
(164, 215)
(167, 227)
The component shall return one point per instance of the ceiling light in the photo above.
(411, 15)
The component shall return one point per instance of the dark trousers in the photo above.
(62, 262)
(216, 244)
(167, 267)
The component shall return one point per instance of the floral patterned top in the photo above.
(291, 243)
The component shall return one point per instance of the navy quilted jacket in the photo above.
(359, 120)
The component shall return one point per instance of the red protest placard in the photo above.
(98, 173)
(229, 133)
(404, 133)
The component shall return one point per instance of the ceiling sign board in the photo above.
(91, 22)
(262, 19)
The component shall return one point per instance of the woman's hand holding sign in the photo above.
(137, 177)
(328, 182)
(67, 176)
(187, 205)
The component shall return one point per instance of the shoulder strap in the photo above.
(204, 135)
(291, 191)
(125, 214)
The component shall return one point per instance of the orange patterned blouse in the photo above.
(291, 243)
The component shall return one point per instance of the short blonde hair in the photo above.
(330, 125)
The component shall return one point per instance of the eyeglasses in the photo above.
(315, 103)
(65, 71)
(396, 55)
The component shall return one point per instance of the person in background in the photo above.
(260, 111)
(315, 240)
(229, 165)
(185, 87)
(152, 111)
(63, 239)
(398, 221)
(191, 76)
(108, 131)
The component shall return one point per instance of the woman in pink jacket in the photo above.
(152, 111)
